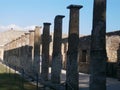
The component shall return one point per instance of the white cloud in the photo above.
(15, 27)
(29, 27)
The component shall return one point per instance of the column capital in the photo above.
(22, 35)
(47, 23)
(31, 31)
(27, 33)
(38, 26)
(74, 6)
(61, 16)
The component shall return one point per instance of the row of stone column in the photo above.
(29, 50)
(98, 53)
(72, 77)
(20, 52)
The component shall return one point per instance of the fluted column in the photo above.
(45, 51)
(98, 47)
(56, 55)
(72, 77)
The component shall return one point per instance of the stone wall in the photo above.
(23, 53)
(84, 54)
(112, 47)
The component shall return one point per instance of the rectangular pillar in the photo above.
(72, 78)
(45, 51)
(56, 55)
(31, 50)
(36, 63)
(98, 54)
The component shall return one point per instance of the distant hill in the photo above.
(9, 35)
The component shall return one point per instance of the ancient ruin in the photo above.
(36, 63)
(57, 55)
(33, 53)
(98, 56)
(45, 51)
(72, 78)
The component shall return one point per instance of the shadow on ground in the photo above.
(11, 81)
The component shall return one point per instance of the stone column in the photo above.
(118, 54)
(18, 48)
(6, 49)
(31, 50)
(14, 54)
(56, 55)
(27, 60)
(31, 42)
(64, 54)
(19, 52)
(5, 53)
(98, 47)
(10, 54)
(27, 38)
(45, 51)
(36, 63)
(72, 77)
(118, 63)
(22, 52)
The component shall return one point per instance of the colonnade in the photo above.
(24, 52)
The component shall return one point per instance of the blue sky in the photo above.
(26, 13)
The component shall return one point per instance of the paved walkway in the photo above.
(112, 84)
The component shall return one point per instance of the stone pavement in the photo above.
(112, 84)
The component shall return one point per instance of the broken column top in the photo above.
(74, 6)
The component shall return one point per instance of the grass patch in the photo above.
(9, 80)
